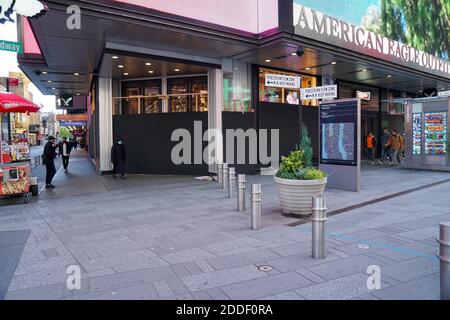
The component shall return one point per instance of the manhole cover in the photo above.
(363, 246)
(265, 268)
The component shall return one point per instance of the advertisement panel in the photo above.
(384, 29)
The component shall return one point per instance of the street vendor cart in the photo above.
(15, 163)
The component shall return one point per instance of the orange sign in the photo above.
(71, 117)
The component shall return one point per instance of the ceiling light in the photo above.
(78, 94)
(293, 53)
(115, 57)
(364, 70)
(76, 74)
(148, 64)
(53, 88)
(307, 68)
(151, 71)
(334, 62)
(125, 73)
(44, 72)
(120, 66)
(267, 60)
(176, 70)
(49, 81)
(389, 76)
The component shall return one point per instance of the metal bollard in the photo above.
(231, 181)
(220, 174)
(225, 177)
(444, 257)
(241, 192)
(256, 206)
(319, 216)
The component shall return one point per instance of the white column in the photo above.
(215, 106)
(105, 105)
(165, 106)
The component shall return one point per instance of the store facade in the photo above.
(153, 68)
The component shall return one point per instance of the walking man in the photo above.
(383, 141)
(65, 147)
(48, 160)
(396, 143)
(118, 158)
(371, 147)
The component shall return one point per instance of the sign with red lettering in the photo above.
(13, 82)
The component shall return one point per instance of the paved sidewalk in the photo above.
(179, 238)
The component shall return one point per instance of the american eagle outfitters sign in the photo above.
(318, 26)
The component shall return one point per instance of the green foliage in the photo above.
(298, 164)
(423, 24)
(64, 132)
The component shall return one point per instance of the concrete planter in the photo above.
(296, 195)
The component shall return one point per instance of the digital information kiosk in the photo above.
(340, 143)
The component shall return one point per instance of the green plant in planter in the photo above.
(298, 164)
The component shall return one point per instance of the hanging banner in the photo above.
(282, 81)
(324, 92)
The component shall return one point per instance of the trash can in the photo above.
(34, 188)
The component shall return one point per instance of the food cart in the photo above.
(15, 164)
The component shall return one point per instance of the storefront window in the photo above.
(130, 105)
(272, 89)
(188, 94)
(152, 101)
(237, 88)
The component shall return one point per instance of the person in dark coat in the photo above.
(48, 158)
(65, 147)
(118, 158)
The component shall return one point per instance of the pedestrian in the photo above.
(65, 147)
(48, 158)
(383, 141)
(400, 154)
(118, 158)
(371, 143)
(395, 143)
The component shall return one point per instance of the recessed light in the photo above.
(334, 62)
(76, 74)
(120, 66)
(307, 68)
(151, 71)
(115, 57)
(293, 53)
(53, 88)
(389, 76)
(267, 60)
(364, 70)
(49, 81)
(176, 70)
(148, 64)
(78, 94)
(44, 72)
(125, 73)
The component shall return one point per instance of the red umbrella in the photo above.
(10, 102)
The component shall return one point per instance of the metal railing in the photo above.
(169, 103)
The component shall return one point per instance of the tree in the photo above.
(422, 24)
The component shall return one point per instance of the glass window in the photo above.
(237, 88)
(152, 101)
(130, 105)
(177, 90)
(199, 97)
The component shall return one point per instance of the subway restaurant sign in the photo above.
(312, 24)
(11, 46)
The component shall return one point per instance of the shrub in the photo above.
(298, 164)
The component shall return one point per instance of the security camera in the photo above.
(300, 52)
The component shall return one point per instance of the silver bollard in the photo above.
(319, 216)
(256, 206)
(231, 181)
(225, 177)
(444, 257)
(241, 192)
(220, 174)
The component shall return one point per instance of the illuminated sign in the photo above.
(363, 95)
(26, 8)
(318, 26)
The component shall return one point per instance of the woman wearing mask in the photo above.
(118, 158)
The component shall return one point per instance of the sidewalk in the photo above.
(153, 237)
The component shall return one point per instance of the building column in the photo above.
(105, 105)
(215, 107)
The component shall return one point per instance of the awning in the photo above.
(10, 102)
